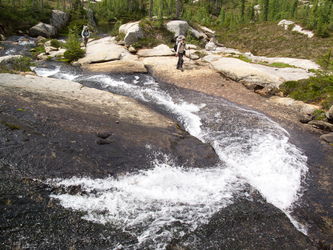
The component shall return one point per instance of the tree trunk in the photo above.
(178, 7)
(151, 5)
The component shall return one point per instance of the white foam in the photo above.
(144, 204)
(46, 72)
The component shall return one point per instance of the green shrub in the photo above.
(74, 50)
(55, 43)
(22, 63)
(317, 89)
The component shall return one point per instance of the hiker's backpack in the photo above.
(178, 40)
(175, 47)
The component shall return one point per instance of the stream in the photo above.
(253, 150)
(169, 201)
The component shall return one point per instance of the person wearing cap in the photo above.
(85, 35)
(180, 53)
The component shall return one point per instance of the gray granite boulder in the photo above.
(9, 61)
(132, 32)
(43, 29)
(59, 19)
(160, 50)
(178, 28)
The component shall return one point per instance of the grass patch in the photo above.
(269, 39)
(317, 90)
(281, 65)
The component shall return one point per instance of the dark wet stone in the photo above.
(104, 135)
(249, 223)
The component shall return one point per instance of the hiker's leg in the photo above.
(179, 62)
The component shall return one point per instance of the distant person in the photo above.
(180, 53)
(85, 35)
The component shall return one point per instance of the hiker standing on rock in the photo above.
(180, 53)
(85, 35)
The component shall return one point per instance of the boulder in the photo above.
(102, 50)
(329, 113)
(57, 53)
(178, 27)
(160, 50)
(48, 47)
(43, 29)
(42, 57)
(132, 32)
(192, 54)
(326, 126)
(301, 107)
(210, 46)
(327, 137)
(304, 108)
(252, 75)
(9, 61)
(104, 55)
(198, 34)
(38, 40)
(285, 23)
(59, 19)
(207, 31)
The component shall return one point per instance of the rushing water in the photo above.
(167, 201)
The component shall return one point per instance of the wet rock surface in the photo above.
(266, 228)
(44, 134)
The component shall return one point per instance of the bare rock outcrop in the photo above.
(252, 75)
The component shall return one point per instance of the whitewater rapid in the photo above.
(167, 200)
